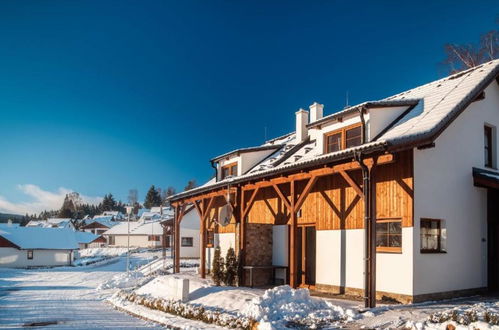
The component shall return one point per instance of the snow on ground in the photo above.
(65, 297)
(102, 252)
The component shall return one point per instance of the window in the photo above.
(30, 254)
(344, 138)
(431, 236)
(187, 241)
(488, 146)
(210, 238)
(229, 170)
(389, 235)
(153, 238)
(353, 137)
(333, 142)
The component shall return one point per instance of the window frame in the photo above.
(343, 132)
(210, 238)
(389, 249)
(29, 254)
(230, 167)
(182, 244)
(154, 238)
(439, 248)
(488, 131)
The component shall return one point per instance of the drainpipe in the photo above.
(215, 168)
(369, 224)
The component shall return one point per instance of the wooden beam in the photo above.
(352, 183)
(292, 238)
(305, 193)
(283, 198)
(206, 210)
(247, 208)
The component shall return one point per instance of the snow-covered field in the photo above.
(81, 297)
(66, 297)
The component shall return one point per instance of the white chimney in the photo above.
(316, 111)
(301, 125)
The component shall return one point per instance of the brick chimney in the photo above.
(316, 111)
(301, 125)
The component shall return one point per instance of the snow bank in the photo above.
(283, 307)
(123, 280)
(102, 252)
(482, 316)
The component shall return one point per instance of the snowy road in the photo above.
(63, 298)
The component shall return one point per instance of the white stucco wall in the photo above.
(443, 189)
(189, 227)
(225, 241)
(380, 118)
(340, 261)
(12, 257)
(280, 245)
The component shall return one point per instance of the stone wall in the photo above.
(258, 252)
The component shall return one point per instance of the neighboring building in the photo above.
(148, 234)
(22, 247)
(189, 234)
(421, 166)
(66, 223)
(99, 224)
(88, 240)
(116, 215)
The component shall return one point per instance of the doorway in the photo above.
(306, 245)
(493, 239)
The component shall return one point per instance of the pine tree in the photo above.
(190, 185)
(231, 265)
(218, 267)
(67, 208)
(153, 198)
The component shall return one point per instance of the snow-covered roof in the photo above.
(51, 223)
(40, 238)
(430, 109)
(167, 211)
(137, 228)
(83, 237)
(103, 220)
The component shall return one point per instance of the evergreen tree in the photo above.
(108, 203)
(170, 191)
(67, 208)
(153, 198)
(218, 267)
(231, 266)
(190, 185)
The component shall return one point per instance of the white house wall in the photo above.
(14, 258)
(380, 118)
(225, 241)
(136, 241)
(340, 261)
(189, 227)
(250, 159)
(443, 188)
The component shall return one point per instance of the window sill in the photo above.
(389, 250)
(432, 252)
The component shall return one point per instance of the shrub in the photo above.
(218, 267)
(231, 267)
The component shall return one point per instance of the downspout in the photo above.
(369, 225)
(216, 170)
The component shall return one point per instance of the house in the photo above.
(116, 215)
(52, 223)
(189, 235)
(88, 240)
(388, 198)
(99, 224)
(145, 234)
(22, 247)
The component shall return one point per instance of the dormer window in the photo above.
(229, 170)
(344, 138)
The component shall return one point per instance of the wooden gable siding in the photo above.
(214, 212)
(334, 204)
(6, 243)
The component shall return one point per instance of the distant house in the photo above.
(189, 235)
(87, 240)
(22, 247)
(52, 223)
(146, 234)
(116, 215)
(99, 224)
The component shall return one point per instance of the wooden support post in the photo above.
(292, 237)
(176, 225)
(202, 234)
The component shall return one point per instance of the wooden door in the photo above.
(306, 245)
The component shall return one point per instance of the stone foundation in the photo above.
(397, 297)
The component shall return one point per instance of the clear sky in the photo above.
(104, 96)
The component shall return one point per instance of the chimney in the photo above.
(316, 111)
(301, 125)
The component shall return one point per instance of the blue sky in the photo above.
(104, 96)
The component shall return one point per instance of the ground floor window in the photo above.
(389, 235)
(153, 238)
(210, 238)
(30, 254)
(431, 236)
(111, 240)
(187, 241)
